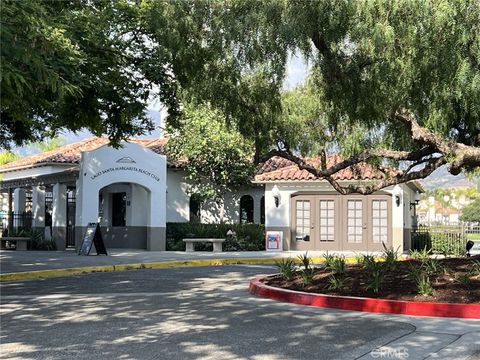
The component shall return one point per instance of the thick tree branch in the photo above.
(463, 155)
(399, 178)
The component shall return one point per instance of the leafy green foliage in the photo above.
(305, 260)
(463, 279)
(286, 266)
(307, 276)
(335, 282)
(336, 264)
(71, 65)
(432, 266)
(424, 285)
(422, 254)
(8, 156)
(216, 157)
(475, 271)
(368, 261)
(37, 242)
(471, 212)
(375, 281)
(390, 256)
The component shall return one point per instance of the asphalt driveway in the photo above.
(200, 313)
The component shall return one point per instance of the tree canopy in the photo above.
(392, 83)
(216, 158)
(471, 212)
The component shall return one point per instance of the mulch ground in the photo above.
(398, 284)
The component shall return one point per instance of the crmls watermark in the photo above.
(390, 353)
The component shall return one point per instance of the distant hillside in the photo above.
(441, 178)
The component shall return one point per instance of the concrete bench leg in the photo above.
(189, 247)
(217, 247)
(21, 245)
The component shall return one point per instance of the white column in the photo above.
(38, 206)
(59, 215)
(19, 198)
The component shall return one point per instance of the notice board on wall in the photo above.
(274, 241)
(92, 236)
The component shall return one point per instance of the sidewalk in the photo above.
(22, 261)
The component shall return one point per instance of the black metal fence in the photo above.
(445, 239)
(15, 221)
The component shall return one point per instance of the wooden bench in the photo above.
(20, 242)
(217, 244)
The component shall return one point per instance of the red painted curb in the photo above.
(467, 311)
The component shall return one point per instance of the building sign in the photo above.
(125, 168)
(92, 236)
(274, 241)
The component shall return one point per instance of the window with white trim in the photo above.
(302, 230)
(355, 221)
(379, 221)
(327, 220)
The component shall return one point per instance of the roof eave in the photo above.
(32, 166)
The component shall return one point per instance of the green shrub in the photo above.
(335, 283)
(424, 286)
(375, 281)
(464, 279)
(329, 259)
(339, 265)
(368, 261)
(307, 276)
(390, 256)
(432, 266)
(37, 242)
(447, 241)
(422, 254)
(375, 274)
(248, 237)
(305, 260)
(286, 266)
(475, 271)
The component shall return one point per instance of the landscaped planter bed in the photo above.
(449, 284)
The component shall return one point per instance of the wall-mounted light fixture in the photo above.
(276, 195)
(416, 200)
(397, 193)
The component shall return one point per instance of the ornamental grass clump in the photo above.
(375, 277)
(286, 267)
(463, 279)
(420, 254)
(432, 266)
(304, 260)
(338, 265)
(329, 259)
(307, 271)
(335, 282)
(368, 261)
(475, 271)
(424, 286)
(390, 256)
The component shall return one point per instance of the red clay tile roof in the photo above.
(280, 169)
(70, 154)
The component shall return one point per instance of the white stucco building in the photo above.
(134, 191)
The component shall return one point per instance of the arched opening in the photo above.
(195, 209)
(123, 215)
(246, 209)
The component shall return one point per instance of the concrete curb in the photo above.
(41, 274)
(467, 311)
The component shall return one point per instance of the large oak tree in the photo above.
(392, 83)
